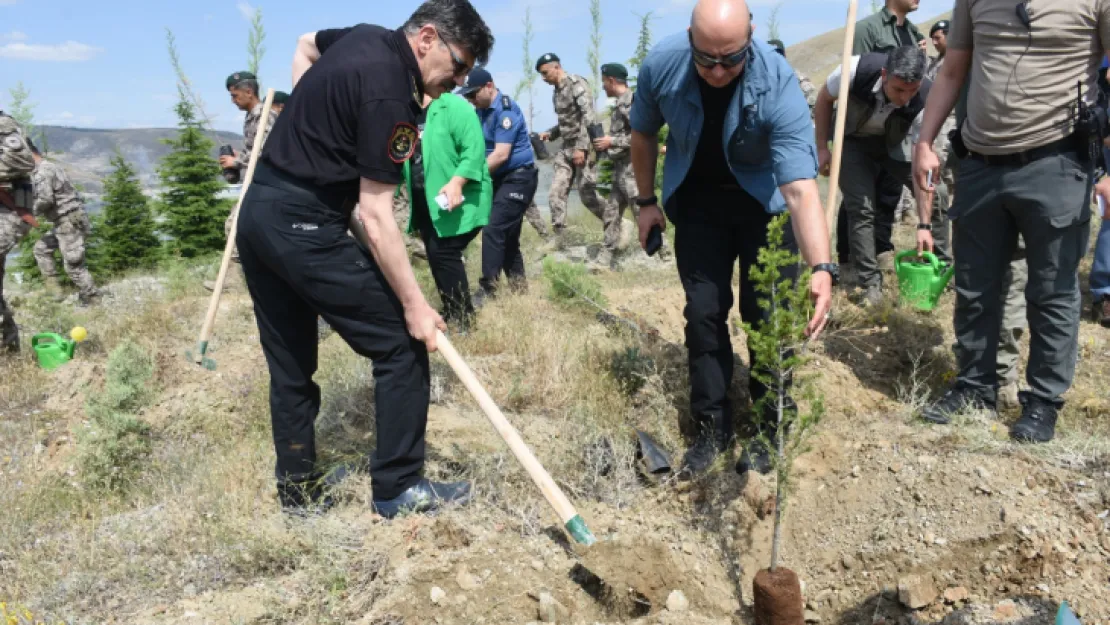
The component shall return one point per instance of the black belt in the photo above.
(1067, 144)
(528, 167)
(340, 197)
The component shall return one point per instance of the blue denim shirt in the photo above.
(768, 136)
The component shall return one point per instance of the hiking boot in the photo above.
(88, 299)
(1038, 420)
(712, 441)
(312, 495)
(1008, 397)
(872, 296)
(1101, 309)
(756, 457)
(480, 297)
(956, 400)
(886, 262)
(424, 496)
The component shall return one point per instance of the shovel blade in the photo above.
(205, 361)
(655, 458)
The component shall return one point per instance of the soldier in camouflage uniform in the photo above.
(533, 216)
(809, 90)
(58, 202)
(617, 146)
(574, 107)
(244, 90)
(16, 201)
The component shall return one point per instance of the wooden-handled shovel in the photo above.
(551, 491)
(214, 301)
(831, 206)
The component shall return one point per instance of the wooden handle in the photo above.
(831, 207)
(214, 302)
(539, 475)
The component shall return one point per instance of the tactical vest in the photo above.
(16, 160)
(861, 105)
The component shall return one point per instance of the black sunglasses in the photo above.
(709, 61)
(460, 67)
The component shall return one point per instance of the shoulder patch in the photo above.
(506, 122)
(506, 103)
(402, 142)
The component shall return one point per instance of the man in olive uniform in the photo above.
(1024, 174)
(280, 98)
(58, 202)
(616, 145)
(244, 89)
(16, 200)
(809, 90)
(574, 107)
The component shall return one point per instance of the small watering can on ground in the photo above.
(52, 350)
(920, 284)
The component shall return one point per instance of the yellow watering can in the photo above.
(920, 284)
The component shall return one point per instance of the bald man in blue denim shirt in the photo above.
(740, 150)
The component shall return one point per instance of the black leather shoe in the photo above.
(956, 400)
(756, 457)
(312, 495)
(1038, 420)
(424, 496)
(713, 439)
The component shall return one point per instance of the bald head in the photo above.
(721, 23)
(719, 29)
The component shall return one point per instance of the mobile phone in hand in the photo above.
(654, 240)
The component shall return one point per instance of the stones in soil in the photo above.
(917, 591)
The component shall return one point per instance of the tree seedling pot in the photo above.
(778, 597)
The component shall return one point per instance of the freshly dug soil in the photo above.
(778, 598)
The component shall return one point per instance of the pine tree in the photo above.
(593, 53)
(528, 82)
(194, 214)
(255, 49)
(773, 21)
(643, 42)
(21, 108)
(123, 235)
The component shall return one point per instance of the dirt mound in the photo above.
(632, 578)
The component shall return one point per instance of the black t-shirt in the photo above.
(353, 113)
(905, 38)
(710, 169)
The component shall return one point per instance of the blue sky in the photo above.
(104, 64)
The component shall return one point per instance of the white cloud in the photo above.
(68, 51)
(15, 35)
(245, 9)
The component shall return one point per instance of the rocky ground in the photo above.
(891, 521)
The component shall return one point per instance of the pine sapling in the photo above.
(779, 348)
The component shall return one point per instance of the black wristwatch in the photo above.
(647, 201)
(832, 268)
(928, 227)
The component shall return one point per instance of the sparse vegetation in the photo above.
(571, 284)
(773, 21)
(255, 42)
(527, 83)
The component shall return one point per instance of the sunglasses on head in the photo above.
(709, 61)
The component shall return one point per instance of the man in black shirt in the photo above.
(342, 140)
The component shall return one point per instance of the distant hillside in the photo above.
(818, 56)
(86, 152)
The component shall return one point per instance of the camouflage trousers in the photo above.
(624, 193)
(67, 235)
(12, 229)
(536, 219)
(563, 162)
(402, 215)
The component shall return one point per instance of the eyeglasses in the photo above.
(461, 68)
(709, 61)
(471, 96)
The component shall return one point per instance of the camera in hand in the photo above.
(231, 174)
(654, 240)
(539, 147)
(595, 131)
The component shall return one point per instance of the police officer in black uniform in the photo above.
(515, 178)
(342, 139)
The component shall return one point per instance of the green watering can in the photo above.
(920, 284)
(53, 350)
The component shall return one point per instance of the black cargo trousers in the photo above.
(299, 262)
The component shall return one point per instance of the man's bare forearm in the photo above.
(822, 117)
(305, 56)
(943, 94)
(808, 220)
(498, 156)
(383, 237)
(645, 153)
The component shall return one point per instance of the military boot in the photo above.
(714, 438)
